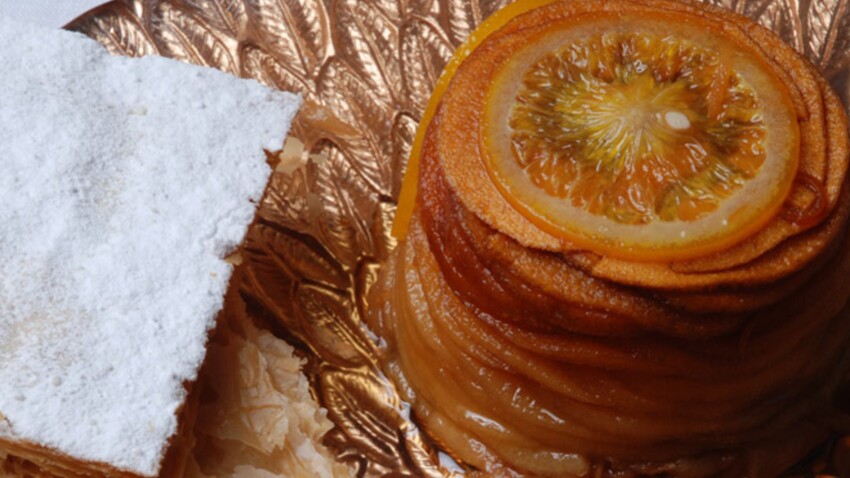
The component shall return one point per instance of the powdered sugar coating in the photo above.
(123, 184)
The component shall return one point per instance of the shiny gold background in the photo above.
(366, 69)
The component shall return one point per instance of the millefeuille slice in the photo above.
(124, 183)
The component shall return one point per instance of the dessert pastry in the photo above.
(626, 255)
(125, 184)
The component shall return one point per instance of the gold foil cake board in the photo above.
(366, 69)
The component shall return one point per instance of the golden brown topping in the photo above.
(639, 139)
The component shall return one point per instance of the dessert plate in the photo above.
(366, 69)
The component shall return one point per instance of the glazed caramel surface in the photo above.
(526, 351)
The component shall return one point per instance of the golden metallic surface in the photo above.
(366, 69)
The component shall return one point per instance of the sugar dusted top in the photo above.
(124, 183)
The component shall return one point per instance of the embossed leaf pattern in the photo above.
(459, 19)
(295, 31)
(226, 16)
(366, 69)
(816, 28)
(260, 65)
(118, 28)
(187, 38)
(822, 23)
(425, 49)
(371, 421)
(783, 20)
(343, 222)
(329, 324)
(300, 257)
(366, 38)
(366, 117)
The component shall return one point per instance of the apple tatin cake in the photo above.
(623, 247)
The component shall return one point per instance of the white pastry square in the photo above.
(124, 183)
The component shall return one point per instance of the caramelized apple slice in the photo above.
(640, 139)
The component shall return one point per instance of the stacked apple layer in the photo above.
(522, 351)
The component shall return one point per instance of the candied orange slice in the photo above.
(640, 138)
